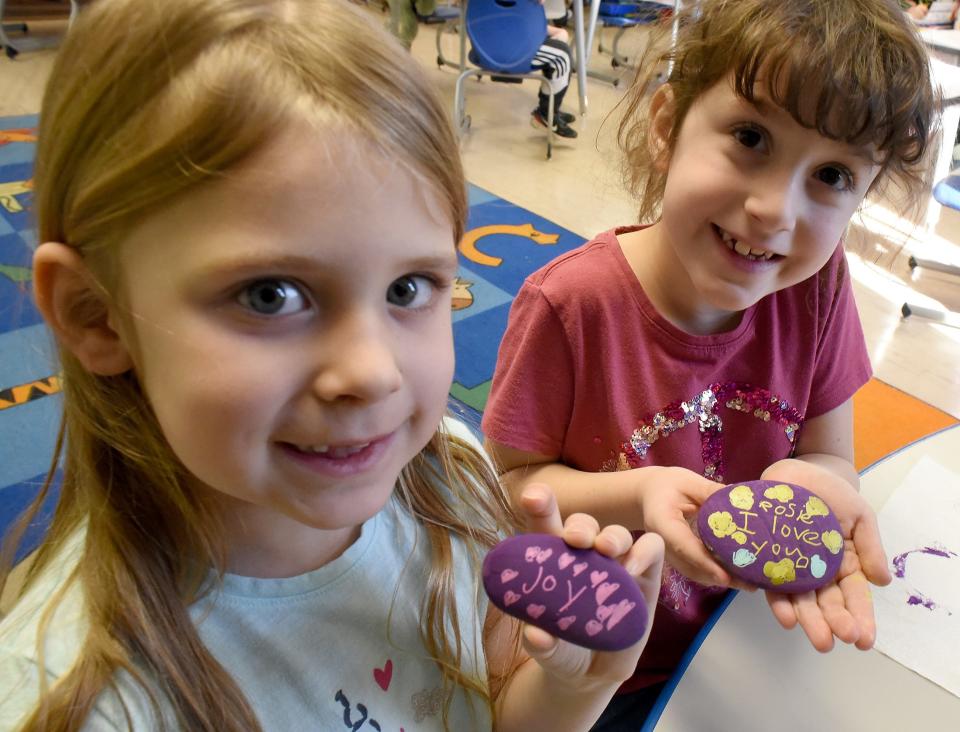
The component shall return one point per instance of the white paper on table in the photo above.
(918, 614)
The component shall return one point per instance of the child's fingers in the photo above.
(840, 619)
(644, 562)
(614, 541)
(858, 599)
(811, 619)
(690, 557)
(873, 559)
(565, 660)
(540, 508)
(645, 555)
(782, 609)
(539, 643)
(580, 530)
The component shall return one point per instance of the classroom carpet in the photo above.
(503, 244)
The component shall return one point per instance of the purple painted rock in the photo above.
(578, 595)
(778, 536)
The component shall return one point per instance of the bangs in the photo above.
(853, 77)
(873, 111)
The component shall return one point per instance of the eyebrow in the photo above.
(259, 263)
(767, 108)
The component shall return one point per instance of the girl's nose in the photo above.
(773, 201)
(359, 363)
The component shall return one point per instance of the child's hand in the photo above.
(843, 608)
(577, 666)
(669, 504)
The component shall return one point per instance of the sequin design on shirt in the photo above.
(703, 409)
(675, 589)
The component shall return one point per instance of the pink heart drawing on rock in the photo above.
(565, 560)
(544, 555)
(578, 568)
(593, 627)
(531, 553)
(605, 590)
(507, 575)
(535, 611)
(383, 676)
(620, 611)
(603, 612)
(510, 598)
(597, 577)
(564, 623)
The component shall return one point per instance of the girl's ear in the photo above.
(77, 309)
(662, 119)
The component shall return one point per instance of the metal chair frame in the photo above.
(508, 72)
(21, 27)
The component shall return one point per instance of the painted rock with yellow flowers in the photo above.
(778, 536)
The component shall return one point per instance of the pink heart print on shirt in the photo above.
(383, 675)
(602, 608)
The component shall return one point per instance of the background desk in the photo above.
(749, 674)
(947, 78)
(945, 42)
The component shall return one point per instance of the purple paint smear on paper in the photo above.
(916, 600)
(900, 570)
(900, 561)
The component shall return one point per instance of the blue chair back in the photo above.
(505, 34)
(947, 191)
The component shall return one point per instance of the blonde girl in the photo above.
(248, 211)
(719, 341)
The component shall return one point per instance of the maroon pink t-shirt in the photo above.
(588, 370)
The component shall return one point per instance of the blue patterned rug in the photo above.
(503, 244)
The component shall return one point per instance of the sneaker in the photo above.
(560, 128)
(566, 117)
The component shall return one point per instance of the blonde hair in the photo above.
(147, 100)
(854, 70)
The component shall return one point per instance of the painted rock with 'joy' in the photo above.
(578, 595)
(778, 536)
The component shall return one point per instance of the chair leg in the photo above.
(441, 59)
(459, 101)
(550, 111)
(618, 58)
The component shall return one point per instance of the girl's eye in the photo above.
(836, 177)
(410, 291)
(272, 297)
(749, 137)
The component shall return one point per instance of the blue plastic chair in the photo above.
(946, 193)
(505, 36)
(623, 16)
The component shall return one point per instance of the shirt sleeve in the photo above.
(531, 398)
(843, 364)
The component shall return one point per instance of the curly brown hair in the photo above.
(854, 70)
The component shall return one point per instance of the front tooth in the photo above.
(741, 248)
(317, 448)
(342, 452)
(758, 252)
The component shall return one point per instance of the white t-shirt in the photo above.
(311, 652)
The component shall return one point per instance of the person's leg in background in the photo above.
(403, 21)
(553, 59)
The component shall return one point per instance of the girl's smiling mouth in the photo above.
(342, 459)
(743, 249)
